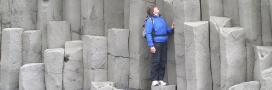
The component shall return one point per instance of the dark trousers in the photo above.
(159, 60)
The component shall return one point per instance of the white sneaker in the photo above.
(162, 83)
(155, 83)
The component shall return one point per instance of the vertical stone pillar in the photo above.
(32, 47)
(231, 10)
(211, 8)
(263, 55)
(197, 56)
(53, 60)
(250, 18)
(92, 17)
(114, 14)
(118, 57)
(138, 50)
(118, 68)
(73, 66)
(58, 32)
(32, 77)
(233, 57)
(252, 85)
(168, 14)
(11, 59)
(94, 57)
(19, 13)
(185, 10)
(126, 13)
(266, 23)
(48, 10)
(216, 23)
(266, 79)
(168, 87)
(71, 14)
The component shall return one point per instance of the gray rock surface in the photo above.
(250, 20)
(94, 57)
(19, 14)
(11, 59)
(216, 23)
(197, 56)
(266, 23)
(92, 17)
(48, 10)
(114, 14)
(32, 77)
(168, 87)
(233, 57)
(73, 66)
(53, 61)
(211, 8)
(118, 42)
(252, 85)
(71, 14)
(32, 46)
(263, 61)
(266, 79)
(231, 10)
(185, 10)
(58, 32)
(118, 71)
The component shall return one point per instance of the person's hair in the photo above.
(150, 10)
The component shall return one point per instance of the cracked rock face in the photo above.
(233, 57)
(263, 61)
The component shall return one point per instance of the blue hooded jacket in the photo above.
(161, 29)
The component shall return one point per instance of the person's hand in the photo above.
(173, 26)
(153, 50)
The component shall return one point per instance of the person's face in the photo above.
(156, 11)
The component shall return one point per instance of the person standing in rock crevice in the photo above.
(157, 31)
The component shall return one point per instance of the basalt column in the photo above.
(250, 20)
(11, 59)
(71, 14)
(92, 17)
(185, 10)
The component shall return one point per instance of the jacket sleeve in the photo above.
(148, 31)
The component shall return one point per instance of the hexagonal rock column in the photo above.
(94, 57)
(58, 32)
(118, 71)
(19, 13)
(266, 23)
(231, 10)
(138, 50)
(266, 79)
(263, 61)
(73, 66)
(185, 10)
(197, 56)
(48, 10)
(114, 14)
(211, 8)
(233, 57)
(11, 59)
(32, 77)
(216, 23)
(252, 85)
(250, 20)
(118, 42)
(71, 14)
(168, 87)
(118, 61)
(53, 60)
(102, 86)
(92, 17)
(32, 47)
